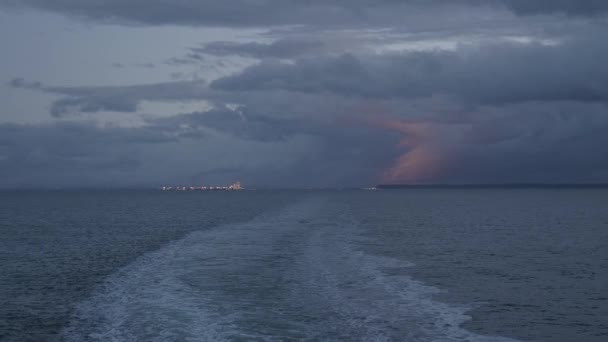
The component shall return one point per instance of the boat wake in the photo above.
(299, 273)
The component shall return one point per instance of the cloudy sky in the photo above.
(315, 93)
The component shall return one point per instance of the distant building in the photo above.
(231, 187)
(235, 186)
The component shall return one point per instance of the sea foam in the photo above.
(299, 273)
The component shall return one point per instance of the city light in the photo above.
(232, 187)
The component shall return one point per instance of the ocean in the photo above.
(312, 265)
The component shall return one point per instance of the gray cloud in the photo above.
(189, 148)
(571, 7)
(535, 143)
(522, 100)
(71, 153)
(460, 115)
(88, 99)
(283, 48)
(498, 73)
(531, 142)
(239, 123)
(93, 104)
(242, 13)
(216, 13)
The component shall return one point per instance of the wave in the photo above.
(299, 273)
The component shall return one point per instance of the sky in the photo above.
(293, 93)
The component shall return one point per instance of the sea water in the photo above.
(390, 265)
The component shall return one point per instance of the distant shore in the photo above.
(494, 186)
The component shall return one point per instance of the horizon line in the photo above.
(386, 186)
(493, 185)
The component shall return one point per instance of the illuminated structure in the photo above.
(235, 186)
(232, 187)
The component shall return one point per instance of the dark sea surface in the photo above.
(387, 265)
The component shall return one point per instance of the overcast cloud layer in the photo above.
(289, 12)
(320, 93)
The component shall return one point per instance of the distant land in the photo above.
(496, 186)
(232, 187)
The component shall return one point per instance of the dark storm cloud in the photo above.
(571, 7)
(77, 154)
(241, 13)
(497, 73)
(348, 153)
(516, 143)
(71, 154)
(499, 112)
(220, 13)
(534, 143)
(521, 98)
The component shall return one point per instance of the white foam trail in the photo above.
(380, 306)
(166, 295)
(296, 274)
